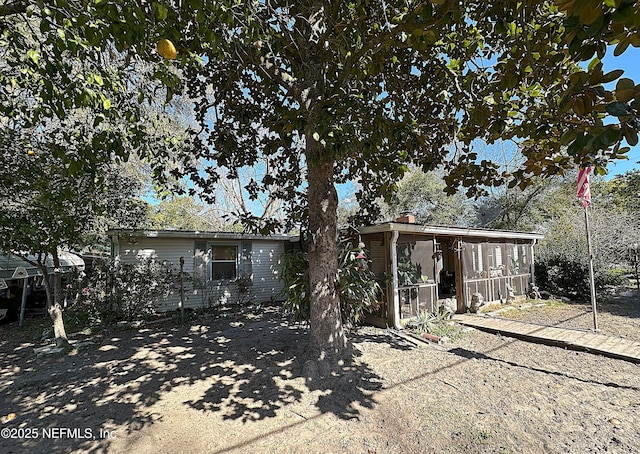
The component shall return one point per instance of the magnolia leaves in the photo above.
(593, 99)
(591, 21)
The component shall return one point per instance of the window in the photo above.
(224, 262)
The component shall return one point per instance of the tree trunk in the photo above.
(327, 338)
(54, 299)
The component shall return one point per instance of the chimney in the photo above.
(407, 218)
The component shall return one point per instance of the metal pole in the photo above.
(637, 278)
(591, 280)
(635, 263)
(23, 303)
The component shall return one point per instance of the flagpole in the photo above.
(591, 280)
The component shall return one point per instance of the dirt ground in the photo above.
(234, 383)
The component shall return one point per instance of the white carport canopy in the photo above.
(14, 266)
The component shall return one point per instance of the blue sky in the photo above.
(630, 63)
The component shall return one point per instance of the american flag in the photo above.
(584, 191)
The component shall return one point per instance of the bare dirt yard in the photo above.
(234, 383)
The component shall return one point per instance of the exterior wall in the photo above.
(265, 260)
(463, 271)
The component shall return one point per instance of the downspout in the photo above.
(533, 266)
(394, 313)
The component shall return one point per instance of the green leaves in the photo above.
(618, 109)
(161, 11)
(34, 56)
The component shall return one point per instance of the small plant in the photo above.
(438, 324)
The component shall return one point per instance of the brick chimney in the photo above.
(407, 218)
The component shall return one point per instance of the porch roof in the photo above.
(402, 227)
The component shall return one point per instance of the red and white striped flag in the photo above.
(584, 191)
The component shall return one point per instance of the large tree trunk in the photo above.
(54, 299)
(327, 338)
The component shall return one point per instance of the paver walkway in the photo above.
(574, 339)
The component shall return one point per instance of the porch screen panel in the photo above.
(416, 280)
(520, 267)
(473, 260)
(475, 269)
(497, 258)
(415, 261)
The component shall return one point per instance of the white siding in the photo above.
(266, 262)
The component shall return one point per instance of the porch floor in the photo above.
(573, 339)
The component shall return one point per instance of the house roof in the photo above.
(125, 233)
(451, 231)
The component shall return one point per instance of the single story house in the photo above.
(421, 266)
(220, 267)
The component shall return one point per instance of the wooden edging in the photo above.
(556, 336)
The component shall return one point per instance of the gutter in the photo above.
(466, 232)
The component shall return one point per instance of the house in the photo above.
(219, 267)
(420, 267)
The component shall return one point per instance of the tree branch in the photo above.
(17, 7)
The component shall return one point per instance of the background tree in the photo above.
(45, 208)
(422, 194)
(327, 92)
(71, 113)
(625, 191)
(562, 259)
(185, 213)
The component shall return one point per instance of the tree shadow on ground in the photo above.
(244, 367)
(470, 354)
(625, 303)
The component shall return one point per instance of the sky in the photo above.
(630, 63)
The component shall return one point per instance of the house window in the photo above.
(224, 262)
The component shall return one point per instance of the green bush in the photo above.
(125, 291)
(295, 276)
(564, 276)
(358, 287)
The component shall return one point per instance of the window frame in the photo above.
(211, 261)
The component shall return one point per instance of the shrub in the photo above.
(126, 291)
(562, 261)
(561, 275)
(358, 287)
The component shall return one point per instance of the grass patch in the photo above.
(523, 305)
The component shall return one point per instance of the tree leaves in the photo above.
(379, 87)
(618, 109)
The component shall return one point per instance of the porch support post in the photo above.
(460, 290)
(533, 263)
(394, 310)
